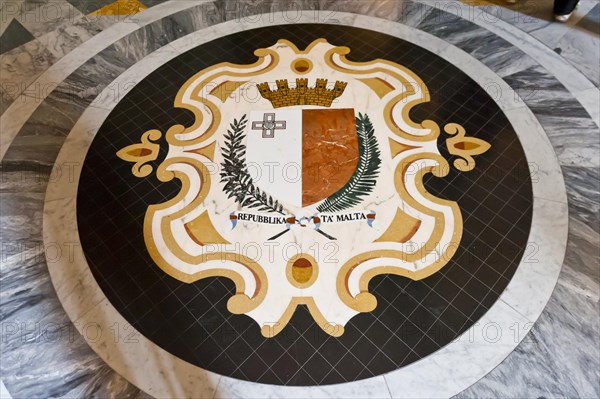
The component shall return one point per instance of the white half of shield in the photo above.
(274, 153)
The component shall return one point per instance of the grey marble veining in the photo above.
(524, 78)
(526, 373)
(511, 62)
(35, 148)
(581, 45)
(389, 9)
(543, 93)
(42, 136)
(43, 355)
(22, 192)
(38, 335)
(505, 60)
(580, 271)
(106, 21)
(558, 358)
(40, 139)
(475, 40)
(570, 332)
(21, 218)
(450, 27)
(151, 37)
(546, 102)
(20, 179)
(482, 44)
(519, 70)
(574, 135)
(527, 15)
(66, 38)
(5, 100)
(404, 11)
(33, 151)
(82, 374)
(198, 17)
(20, 66)
(41, 17)
(551, 33)
(86, 83)
(583, 189)
(575, 139)
(535, 17)
(567, 74)
(413, 13)
(105, 383)
(318, 11)
(13, 36)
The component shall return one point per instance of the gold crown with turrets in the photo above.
(284, 96)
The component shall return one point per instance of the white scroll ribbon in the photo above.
(292, 222)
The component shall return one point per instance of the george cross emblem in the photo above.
(268, 126)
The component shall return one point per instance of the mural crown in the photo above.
(301, 94)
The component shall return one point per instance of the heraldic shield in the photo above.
(301, 180)
(302, 156)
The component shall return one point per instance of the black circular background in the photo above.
(413, 318)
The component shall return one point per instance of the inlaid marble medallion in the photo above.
(316, 204)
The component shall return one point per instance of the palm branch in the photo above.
(365, 175)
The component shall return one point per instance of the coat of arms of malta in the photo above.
(302, 179)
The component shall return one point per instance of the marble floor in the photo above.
(452, 252)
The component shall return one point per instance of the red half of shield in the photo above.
(329, 152)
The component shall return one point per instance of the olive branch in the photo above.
(235, 175)
(365, 175)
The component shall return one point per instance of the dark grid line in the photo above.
(413, 318)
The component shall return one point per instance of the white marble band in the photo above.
(17, 114)
(442, 374)
(13, 119)
(573, 80)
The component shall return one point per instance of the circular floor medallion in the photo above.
(304, 205)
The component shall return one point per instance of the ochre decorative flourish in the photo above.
(198, 139)
(234, 264)
(364, 301)
(284, 96)
(464, 147)
(207, 118)
(183, 241)
(399, 101)
(142, 153)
